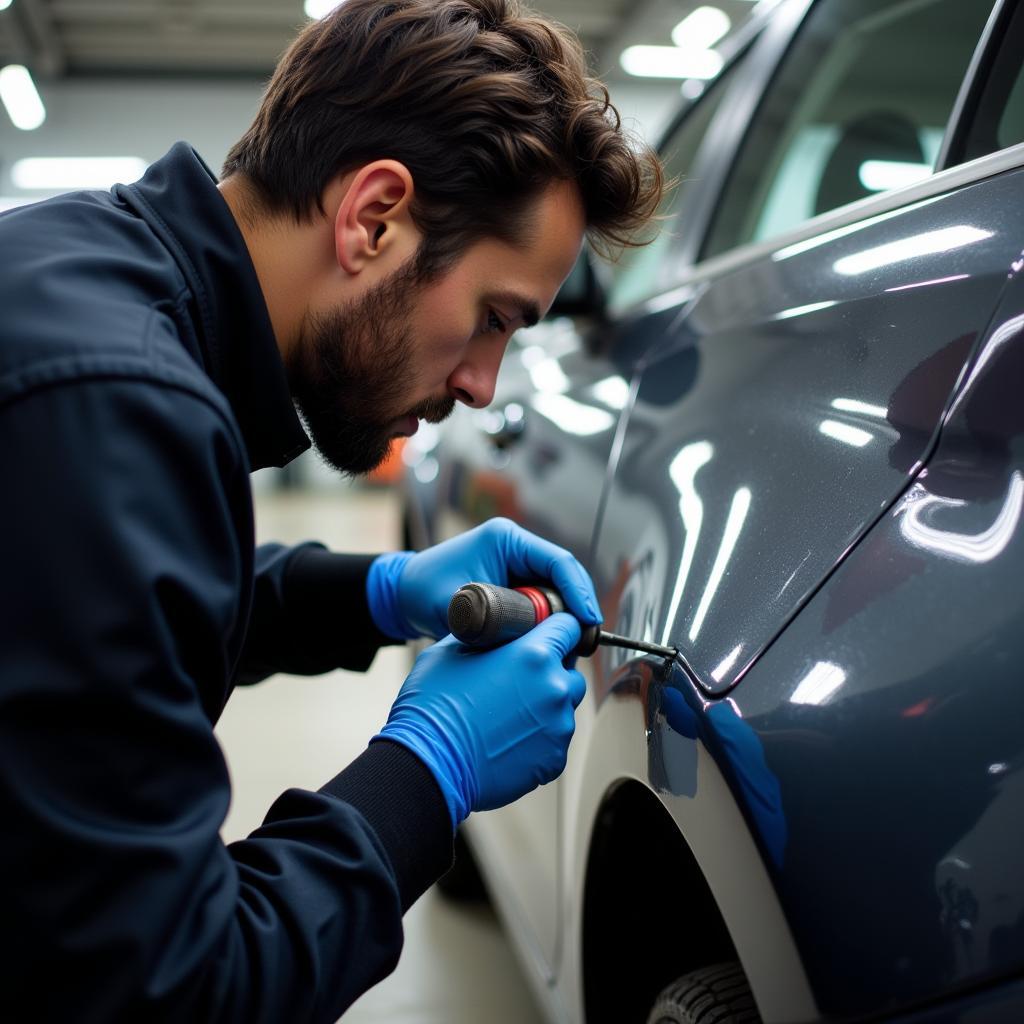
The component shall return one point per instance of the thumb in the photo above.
(560, 631)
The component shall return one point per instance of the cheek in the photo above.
(438, 357)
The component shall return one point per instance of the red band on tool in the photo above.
(539, 602)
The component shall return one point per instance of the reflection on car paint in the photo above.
(921, 512)
(679, 720)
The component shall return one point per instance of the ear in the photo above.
(374, 222)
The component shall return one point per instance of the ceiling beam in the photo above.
(34, 34)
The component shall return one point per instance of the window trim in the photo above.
(763, 44)
(940, 183)
(699, 257)
(973, 86)
(716, 159)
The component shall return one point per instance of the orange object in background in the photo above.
(390, 470)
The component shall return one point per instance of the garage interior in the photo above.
(122, 80)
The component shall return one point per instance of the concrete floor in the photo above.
(456, 966)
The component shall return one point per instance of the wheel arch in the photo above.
(648, 912)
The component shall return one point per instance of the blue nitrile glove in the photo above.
(491, 725)
(409, 594)
(382, 595)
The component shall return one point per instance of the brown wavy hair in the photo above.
(485, 102)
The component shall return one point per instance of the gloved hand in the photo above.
(491, 725)
(409, 593)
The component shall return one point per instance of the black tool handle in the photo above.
(483, 615)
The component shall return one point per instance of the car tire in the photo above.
(712, 995)
(462, 882)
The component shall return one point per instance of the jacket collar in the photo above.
(179, 199)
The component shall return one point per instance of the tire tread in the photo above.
(718, 994)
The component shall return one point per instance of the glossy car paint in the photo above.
(860, 847)
(787, 409)
(890, 716)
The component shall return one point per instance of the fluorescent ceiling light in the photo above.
(670, 62)
(19, 96)
(701, 29)
(321, 8)
(883, 175)
(55, 173)
(4, 4)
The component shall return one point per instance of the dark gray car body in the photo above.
(802, 464)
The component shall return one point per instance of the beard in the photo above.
(350, 375)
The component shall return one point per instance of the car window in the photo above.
(859, 106)
(998, 121)
(636, 275)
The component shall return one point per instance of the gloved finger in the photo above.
(577, 688)
(560, 633)
(530, 556)
(446, 641)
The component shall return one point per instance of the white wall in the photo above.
(143, 119)
(128, 118)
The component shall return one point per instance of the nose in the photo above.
(472, 381)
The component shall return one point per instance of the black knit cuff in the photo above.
(402, 802)
(325, 595)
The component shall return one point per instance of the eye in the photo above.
(495, 325)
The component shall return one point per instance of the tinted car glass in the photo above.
(860, 106)
(639, 272)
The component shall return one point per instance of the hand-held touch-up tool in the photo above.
(483, 615)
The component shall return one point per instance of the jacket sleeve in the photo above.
(310, 613)
(122, 570)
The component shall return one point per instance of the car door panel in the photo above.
(891, 708)
(785, 415)
(552, 482)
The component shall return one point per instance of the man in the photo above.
(415, 186)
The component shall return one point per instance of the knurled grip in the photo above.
(483, 615)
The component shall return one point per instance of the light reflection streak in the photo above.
(683, 471)
(813, 307)
(928, 243)
(798, 248)
(573, 416)
(856, 406)
(819, 684)
(613, 391)
(726, 663)
(844, 432)
(971, 548)
(1000, 337)
(548, 376)
(733, 526)
(925, 284)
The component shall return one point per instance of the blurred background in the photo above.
(94, 90)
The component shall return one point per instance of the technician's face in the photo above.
(366, 372)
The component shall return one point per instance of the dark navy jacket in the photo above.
(140, 384)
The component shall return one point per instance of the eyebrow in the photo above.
(528, 310)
